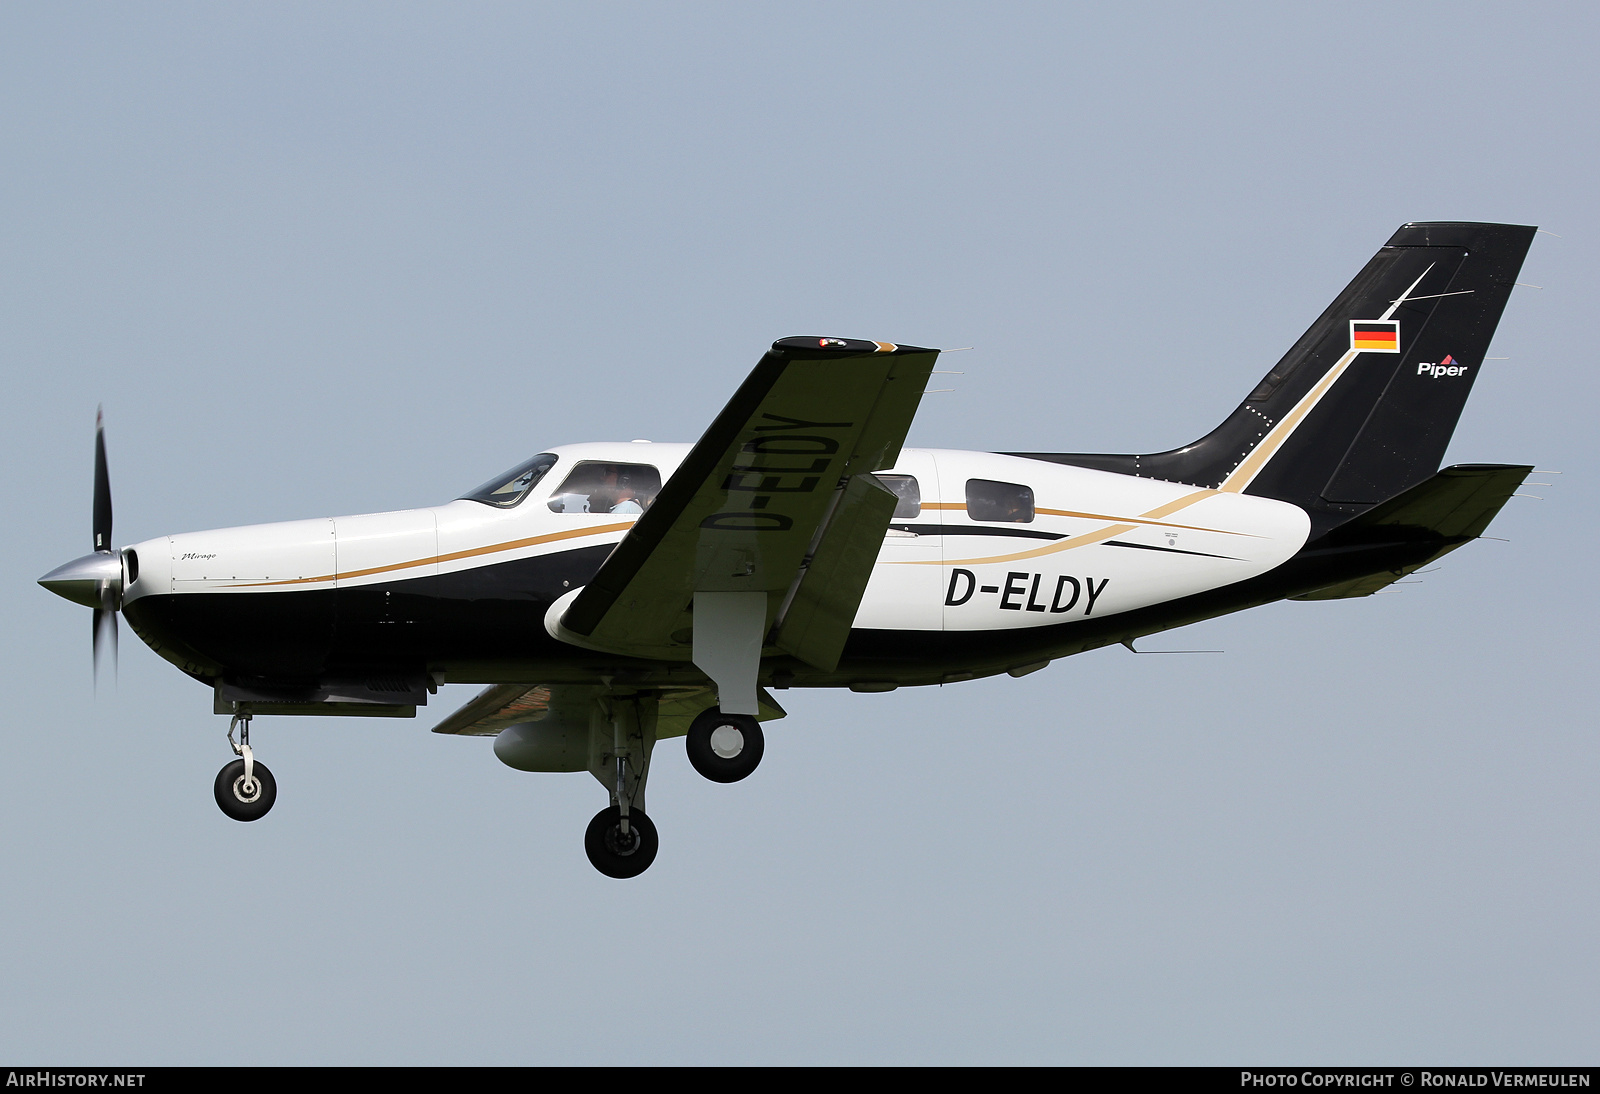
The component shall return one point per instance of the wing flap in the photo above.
(815, 620)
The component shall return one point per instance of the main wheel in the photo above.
(618, 855)
(241, 802)
(724, 747)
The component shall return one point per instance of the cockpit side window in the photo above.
(999, 501)
(509, 489)
(595, 487)
(907, 491)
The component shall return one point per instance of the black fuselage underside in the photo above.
(487, 625)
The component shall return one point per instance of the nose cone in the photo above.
(86, 580)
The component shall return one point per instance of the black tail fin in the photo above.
(1361, 408)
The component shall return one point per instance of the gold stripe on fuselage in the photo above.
(1121, 525)
(1125, 524)
(1104, 516)
(512, 545)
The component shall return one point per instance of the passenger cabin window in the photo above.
(620, 488)
(509, 489)
(999, 501)
(905, 488)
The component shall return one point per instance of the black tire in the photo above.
(709, 740)
(231, 796)
(615, 856)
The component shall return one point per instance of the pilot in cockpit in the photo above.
(627, 499)
(619, 489)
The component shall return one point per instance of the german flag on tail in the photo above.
(1375, 335)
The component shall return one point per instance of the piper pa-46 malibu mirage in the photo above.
(612, 595)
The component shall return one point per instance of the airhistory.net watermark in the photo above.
(51, 1078)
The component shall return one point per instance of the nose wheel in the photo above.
(724, 747)
(245, 789)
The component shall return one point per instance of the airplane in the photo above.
(614, 595)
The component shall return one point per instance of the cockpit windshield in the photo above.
(510, 488)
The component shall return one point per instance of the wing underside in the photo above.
(500, 706)
(775, 502)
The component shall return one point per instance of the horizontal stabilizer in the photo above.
(1452, 508)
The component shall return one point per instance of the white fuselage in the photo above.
(1094, 543)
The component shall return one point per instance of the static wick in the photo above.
(1528, 285)
(1547, 232)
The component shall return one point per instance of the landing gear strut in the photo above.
(621, 841)
(724, 747)
(245, 789)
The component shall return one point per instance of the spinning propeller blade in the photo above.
(105, 637)
(105, 616)
(95, 580)
(102, 485)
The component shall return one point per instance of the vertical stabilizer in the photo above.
(1362, 407)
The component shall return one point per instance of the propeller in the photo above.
(95, 580)
(105, 616)
(102, 485)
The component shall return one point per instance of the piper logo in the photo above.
(1448, 367)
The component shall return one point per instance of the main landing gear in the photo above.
(724, 747)
(621, 841)
(619, 846)
(245, 789)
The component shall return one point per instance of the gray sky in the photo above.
(321, 259)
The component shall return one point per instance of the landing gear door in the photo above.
(905, 592)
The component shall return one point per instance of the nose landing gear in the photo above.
(245, 789)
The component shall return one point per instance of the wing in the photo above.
(777, 498)
(496, 707)
(500, 706)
